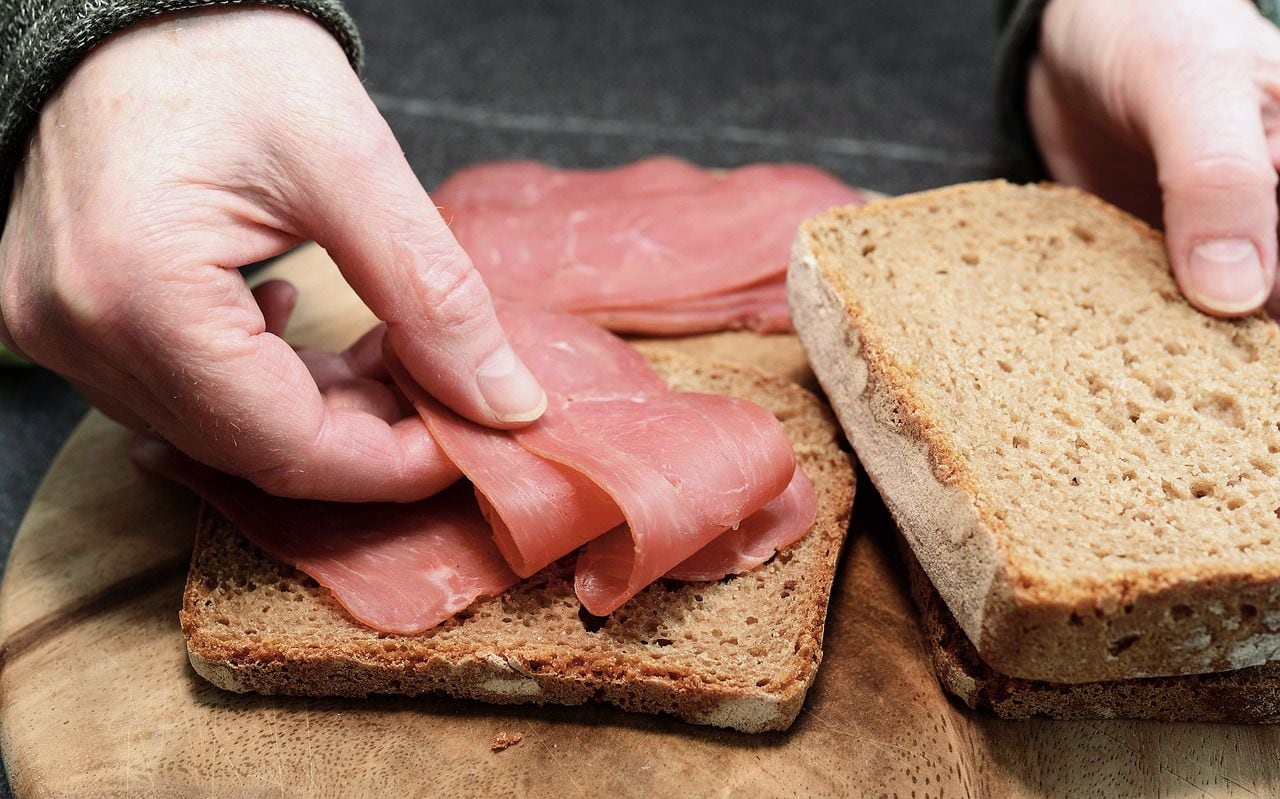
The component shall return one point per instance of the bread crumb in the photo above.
(505, 740)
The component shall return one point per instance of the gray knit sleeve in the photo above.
(1019, 36)
(41, 40)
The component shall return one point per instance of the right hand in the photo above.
(183, 148)
(1171, 109)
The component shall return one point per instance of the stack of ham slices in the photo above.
(647, 482)
(658, 247)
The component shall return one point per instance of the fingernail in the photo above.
(1226, 276)
(510, 390)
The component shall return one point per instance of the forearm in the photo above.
(42, 40)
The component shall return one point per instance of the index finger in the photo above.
(368, 210)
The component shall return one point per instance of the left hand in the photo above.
(1169, 108)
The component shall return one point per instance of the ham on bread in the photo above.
(615, 445)
(399, 568)
(647, 481)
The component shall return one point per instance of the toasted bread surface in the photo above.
(1084, 464)
(738, 653)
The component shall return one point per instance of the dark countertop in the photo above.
(893, 95)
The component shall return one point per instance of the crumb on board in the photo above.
(505, 740)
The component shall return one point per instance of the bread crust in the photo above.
(1140, 623)
(739, 653)
(1244, 696)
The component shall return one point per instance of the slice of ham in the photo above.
(575, 359)
(683, 469)
(540, 510)
(760, 308)
(648, 236)
(615, 444)
(776, 526)
(523, 184)
(397, 568)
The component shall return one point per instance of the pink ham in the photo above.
(760, 308)
(397, 568)
(523, 184)
(653, 482)
(539, 509)
(575, 359)
(645, 237)
(683, 469)
(776, 526)
(615, 444)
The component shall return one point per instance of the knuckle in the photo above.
(21, 326)
(283, 476)
(451, 291)
(342, 131)
(284, 464)
(1190, 34)
(282, 480)
(1218, 171)
(88, 297)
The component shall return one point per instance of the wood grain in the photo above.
(96, 697)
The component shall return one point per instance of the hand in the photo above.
(1169, 108)
(183, 148)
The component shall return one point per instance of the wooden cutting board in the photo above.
(97, 699)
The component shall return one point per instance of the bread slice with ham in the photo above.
(642, 477)
(739, 652)
(400, 568)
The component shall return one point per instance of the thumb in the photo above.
(1219, 191)
(368, 210)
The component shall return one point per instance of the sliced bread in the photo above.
(1085, 466)
(1244, 696)
(739, 653)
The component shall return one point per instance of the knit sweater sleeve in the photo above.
(1019, 35)
(42, 40)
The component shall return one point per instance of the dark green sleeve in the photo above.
(41, 40)
(1019, 36)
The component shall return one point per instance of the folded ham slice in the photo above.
(615, 444)
(648, 237)
(651, 481)
(400, 568)
(761, 308)
(540, 510)
(683, 469)
(777, 525)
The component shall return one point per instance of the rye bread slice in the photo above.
(739, 653)
(1084, 464)
(1243, 696)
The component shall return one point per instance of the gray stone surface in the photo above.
(888, 94)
